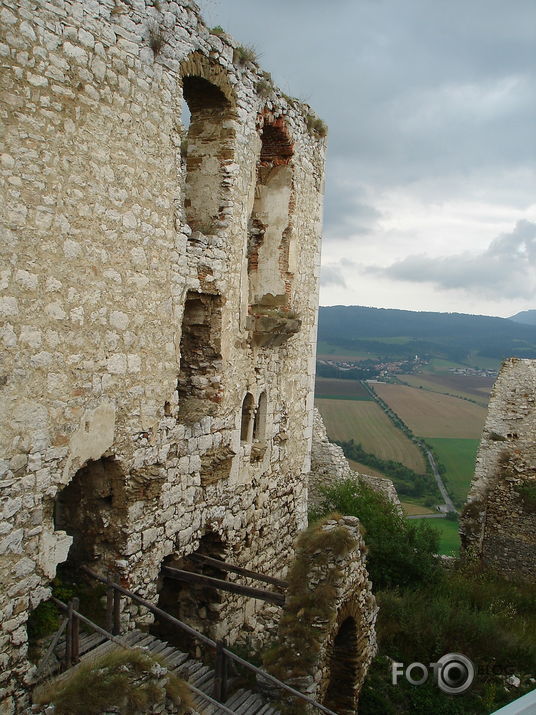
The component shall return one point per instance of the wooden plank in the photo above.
(224, 566)
(190, 577)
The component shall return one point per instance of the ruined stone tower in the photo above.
(161, 211)
(498, 524)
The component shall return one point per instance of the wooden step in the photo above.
(201, 676)
(251, 705)
(237, 699)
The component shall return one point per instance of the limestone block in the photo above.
(54, 549)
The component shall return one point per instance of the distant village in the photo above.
(383, 370)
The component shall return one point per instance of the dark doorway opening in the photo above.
(340, 695)
(198, 606)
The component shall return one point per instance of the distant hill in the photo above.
(399, 334)
(527, 317)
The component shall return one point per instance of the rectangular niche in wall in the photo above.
(216, 465)
(199, 383)
(209, 144)
(270, 238)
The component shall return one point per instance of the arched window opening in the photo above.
(341, 692)
(269, 226)
(198, 606)
(248, 406)
(259, 422)
(199, 383)
(207, 145)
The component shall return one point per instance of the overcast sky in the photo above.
(431, 168)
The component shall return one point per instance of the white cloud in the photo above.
(507, 267)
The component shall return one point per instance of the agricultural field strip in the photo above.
(457, 388)
(365, 422)
(431, 414)
(333, 389)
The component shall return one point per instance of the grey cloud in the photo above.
(331, 275)
(347, 212)
(507, 268)
(404, 87)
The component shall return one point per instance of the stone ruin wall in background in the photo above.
(158, 303)
(498, 524)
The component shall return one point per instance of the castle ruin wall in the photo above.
(135, 318)
(498, 523)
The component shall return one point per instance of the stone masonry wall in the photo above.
(130, 336)
(498, 524)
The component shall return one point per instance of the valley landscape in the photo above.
(388, 380)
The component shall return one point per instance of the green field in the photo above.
(449, 538)
(366, 423)
(440, 365)
(334, 389)
(458, 456)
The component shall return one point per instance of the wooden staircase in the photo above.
(199, 676)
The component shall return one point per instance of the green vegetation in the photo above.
(46, 617)
(264, 88)
(400, 552)
(427, 611)
(458, 457)
(449, 536)
(217, 30)
(407, 482)
(316, 126)
(527, 492)
(333, 389)
(123, 680)
(366, 371)
(243, 54)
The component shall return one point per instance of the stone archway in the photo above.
(91, 509)
(343, 669)
(326, 637)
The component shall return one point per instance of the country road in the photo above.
(448, 501)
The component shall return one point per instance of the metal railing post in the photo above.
(69, 637)
(109, 603)
(116, 630)
(220, 673)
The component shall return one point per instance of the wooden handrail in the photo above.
(192, 577)
(224, 566)
(208, 641)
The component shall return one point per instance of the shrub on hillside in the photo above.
(400, 553)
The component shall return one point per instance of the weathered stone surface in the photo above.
(132, 258)
(498, 522)
(327, 639)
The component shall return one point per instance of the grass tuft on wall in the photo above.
(126, 680)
